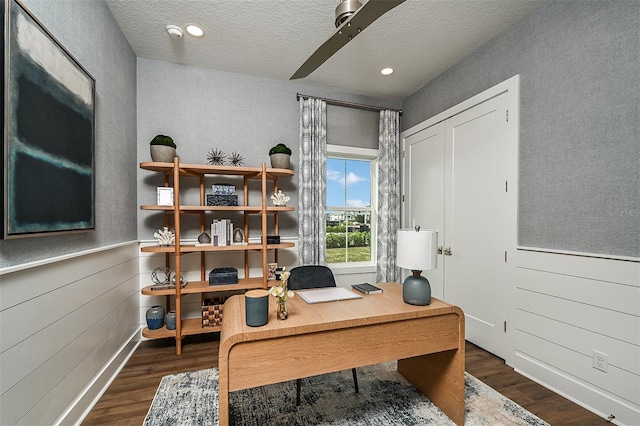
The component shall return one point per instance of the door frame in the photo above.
(512, 87)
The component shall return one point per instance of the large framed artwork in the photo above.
(49, 131)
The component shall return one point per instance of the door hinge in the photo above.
(507, 115)
(506, 186)
(505, 256)
(505, 326)
(403, 198)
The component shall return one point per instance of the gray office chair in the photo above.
(307, 277)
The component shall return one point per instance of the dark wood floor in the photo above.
(127, 400)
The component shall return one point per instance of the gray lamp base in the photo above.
(416, 290)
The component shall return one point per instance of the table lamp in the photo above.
(418, 251)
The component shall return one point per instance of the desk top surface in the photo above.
(304, 318)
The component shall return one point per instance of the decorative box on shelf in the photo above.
(223, 189)
(272, 239)
(212, 311)
(222, 200)
(223, 276)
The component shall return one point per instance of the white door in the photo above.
(475, 220)
(455, 175)
(424, 178)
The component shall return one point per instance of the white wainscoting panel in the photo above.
(567, 306)
(62, 324)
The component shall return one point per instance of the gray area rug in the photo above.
(385, 398)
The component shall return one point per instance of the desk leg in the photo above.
(223, 395)
(440, 377)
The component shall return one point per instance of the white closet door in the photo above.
(424, 191)
(475, 220)
(456, 167)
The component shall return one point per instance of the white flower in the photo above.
(281, 291)
(277, 291)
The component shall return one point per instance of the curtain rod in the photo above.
(347, 104)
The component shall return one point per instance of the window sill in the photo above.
(347, 269)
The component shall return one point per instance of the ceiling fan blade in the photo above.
(361, 19)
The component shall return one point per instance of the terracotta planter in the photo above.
(162, 153)
(280, 161)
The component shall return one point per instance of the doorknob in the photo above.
(439, 249)
(448, 251)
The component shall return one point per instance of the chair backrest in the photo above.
(310, 276)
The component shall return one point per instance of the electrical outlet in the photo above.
(600, 361)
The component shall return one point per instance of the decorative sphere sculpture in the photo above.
(161, 275)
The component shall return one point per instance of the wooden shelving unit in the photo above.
(173, 174)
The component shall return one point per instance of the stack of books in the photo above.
(221, 232)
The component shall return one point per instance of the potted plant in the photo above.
(280, 156)
(163, 149)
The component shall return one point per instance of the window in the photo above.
(351, 200)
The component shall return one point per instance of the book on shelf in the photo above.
(221, 232)
(367, 288)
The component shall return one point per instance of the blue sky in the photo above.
(348, 183)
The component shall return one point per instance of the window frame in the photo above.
(371, 155)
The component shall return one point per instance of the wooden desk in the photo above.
(427, 341)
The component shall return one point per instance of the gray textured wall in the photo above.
(87, 29)
(204, 109)
(579, 154)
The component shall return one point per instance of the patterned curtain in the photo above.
(388, 196)
(312, 182)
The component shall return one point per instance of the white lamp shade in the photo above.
(417, 250)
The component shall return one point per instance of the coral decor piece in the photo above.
(279, 199)
(165, 237)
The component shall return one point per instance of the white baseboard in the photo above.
(590, 397)
(80, 408)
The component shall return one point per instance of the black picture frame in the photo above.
(49, 132)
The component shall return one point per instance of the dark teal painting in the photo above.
(49, 140)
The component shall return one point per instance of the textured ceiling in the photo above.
(272, 38)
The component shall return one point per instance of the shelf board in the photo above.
(194, 287)
(161, 333)
(203, 169)
(280, 246)
(191, 326)
(274, 209)
(199, 209)
(190, 248)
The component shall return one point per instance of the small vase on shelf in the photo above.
(170, 320)
(155, 317)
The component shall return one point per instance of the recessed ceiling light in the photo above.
(386, 71)
(174, 31)
(195, 30)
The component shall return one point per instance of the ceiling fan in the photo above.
(351, 19)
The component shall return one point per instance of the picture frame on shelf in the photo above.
(164, 196)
